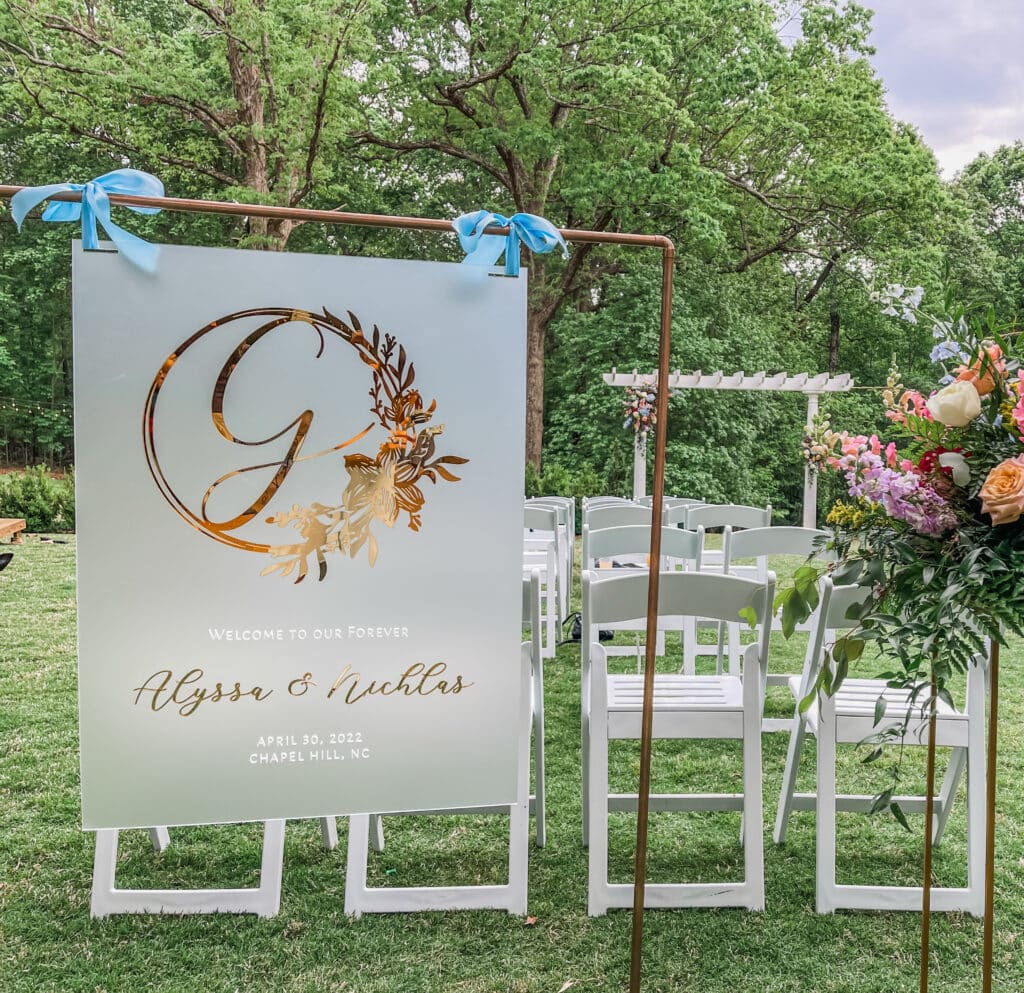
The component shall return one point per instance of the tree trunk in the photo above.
(833, 338)
(536, 334)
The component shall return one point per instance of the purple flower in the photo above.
(902, 495)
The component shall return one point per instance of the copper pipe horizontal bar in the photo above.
(345, 217)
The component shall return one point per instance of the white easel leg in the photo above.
(159, 838)
(329, 833)
(264, 900)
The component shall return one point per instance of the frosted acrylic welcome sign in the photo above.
(300, 531)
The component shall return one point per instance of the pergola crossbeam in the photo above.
(778, 382)
(812, 385)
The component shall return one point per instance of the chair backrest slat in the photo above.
(613, 517)
(635, 539)
(622, 598)
(732, 514)
(538, 518)
(670, 501)
(757, 542)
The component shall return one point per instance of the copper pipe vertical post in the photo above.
(650, 652)
(990, 823)
(929, 830)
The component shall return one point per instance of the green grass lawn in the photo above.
(48, 942)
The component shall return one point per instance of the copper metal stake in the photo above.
(572, 235)
(646, 727)
(929, 817)
(990, 823)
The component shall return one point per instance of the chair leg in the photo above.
(976, 797)
(753, 800)
(825, 827)
(538, 751)
(585, 745)
(735, 649)
(597, 802)
(689, 637)
(950, 784)
(796, 740)
(720, 649)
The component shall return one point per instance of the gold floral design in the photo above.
(381, 488)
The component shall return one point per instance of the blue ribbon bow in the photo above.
(95, 206)
(536, 233)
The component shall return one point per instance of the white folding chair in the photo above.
(566, 507)
(606, 548)
(511, 896)
(542, 551)
(719, 515)
(685, 707)
(263, 900)
(847, 717)
(758, 544)
(531, 620)
(593, 619)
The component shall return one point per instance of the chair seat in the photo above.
(675, 692)
(685, 707)
(855, 709)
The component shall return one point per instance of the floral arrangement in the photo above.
(933, 521)
(639, 404)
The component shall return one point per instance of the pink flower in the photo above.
(852, 444)
(890, 455)
(876, 445)
(910, 402)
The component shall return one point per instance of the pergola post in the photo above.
(640, 465)
(811, 474)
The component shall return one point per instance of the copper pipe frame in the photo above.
(990, 821)
(668, 251)
(929, 831)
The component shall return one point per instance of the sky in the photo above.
(955, 70)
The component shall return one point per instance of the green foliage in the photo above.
(46, 504)
(772, 162)
(991, 190)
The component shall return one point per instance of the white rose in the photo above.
(955, 405)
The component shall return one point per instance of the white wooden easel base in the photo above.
(361, 899)
(264, 900)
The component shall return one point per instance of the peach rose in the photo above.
(1002, 496)
(992, 363)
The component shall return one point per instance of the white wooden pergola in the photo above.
(811, 385)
